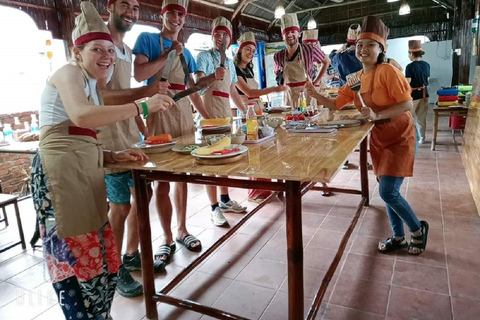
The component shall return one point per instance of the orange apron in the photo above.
(392, 144)
(294, 72)
(217, 97)
(178, 119)
(120, 135)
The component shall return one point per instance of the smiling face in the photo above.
(291, 37)
(367, 51)
(96, 57)
(218, 37)
(173, 20)
(248, 52)
(124, 14)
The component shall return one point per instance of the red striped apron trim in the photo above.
(253, 98)
(78, 131)
(220, 94)
(176, 86)
(296, 84)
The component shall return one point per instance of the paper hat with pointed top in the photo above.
(246, 39)
(374, 28)
(310, 36)
(414, 46)
(353, 32)
(289, 22)
(89, 26)
(221, 23)
(179, 5)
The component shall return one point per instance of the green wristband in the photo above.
(145, 110)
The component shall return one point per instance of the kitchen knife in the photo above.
(183, 61)
(168, 65)
(223, 48)
(188, 92)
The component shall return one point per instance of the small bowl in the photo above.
(238, 138)
(212, 138)
(273, 122)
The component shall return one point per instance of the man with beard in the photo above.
(151, 50)
(296, 61)
(120, 136)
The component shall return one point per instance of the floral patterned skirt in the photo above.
(83, 268)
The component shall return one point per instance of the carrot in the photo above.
(259, 112)
(164, 137)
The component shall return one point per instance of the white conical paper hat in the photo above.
(289, 21)
(246, 39)
(89, 26)
(179, 5)
(353, 32)
(310, 36)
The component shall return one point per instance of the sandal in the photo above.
(391, 244)
(420, 245)
(189, 242)
(164, 253)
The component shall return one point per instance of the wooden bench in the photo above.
(5, 200)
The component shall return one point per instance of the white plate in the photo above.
(208, 128)
(154, 148)
(180, 148)
(243, 149)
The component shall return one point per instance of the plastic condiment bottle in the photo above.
(302, 101)
(252, 123)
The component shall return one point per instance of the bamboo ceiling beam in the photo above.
(330, 6)
(444, 4)
(29, 5)
(238, 9)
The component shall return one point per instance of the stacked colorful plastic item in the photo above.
(447, 97)
(462, 92)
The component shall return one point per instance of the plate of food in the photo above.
(156, 144)
(215, 128)
(221, 149)
(185, 148)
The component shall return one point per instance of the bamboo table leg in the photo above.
(294, 249)
(364, 170)
(141, 194)
(435, 129)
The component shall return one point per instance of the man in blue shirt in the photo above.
(417, 73)
(344, 60)
(217, 97)
(151, 50)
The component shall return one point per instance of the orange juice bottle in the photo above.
(252, 123)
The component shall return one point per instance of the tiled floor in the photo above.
(247, 276)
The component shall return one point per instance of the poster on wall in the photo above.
(276, 98)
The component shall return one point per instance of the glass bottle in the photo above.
(302, 101)
(252, 123)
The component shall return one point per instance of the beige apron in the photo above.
(294, 73)
(258, 105)
(217, 97)
(120, 135)
(178, 119)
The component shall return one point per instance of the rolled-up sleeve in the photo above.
(202, 63)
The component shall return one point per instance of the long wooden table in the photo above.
(295, 163)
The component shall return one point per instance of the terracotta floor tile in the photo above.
(128, 308)
(26, 307)
(421, 277)
(257, 227)
(467, 260)
(265, 273)
(368, 246)
(278, 308)
(462, 224)
(368, 268)
(9, 293)
(434, 255)
(274, 250)
(334, 312)
(336, 224)
(30, 278)
(312, 280)
(464, 284)
(311, 220)
(226, 264)
(327, 239)
(318, 258)
(360, 294)
(244, 299)
(378, 228)
(461, 240)
(407, 304)
(465, 309)
(246, 244)
(309, 206)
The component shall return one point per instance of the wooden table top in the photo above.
(312, 157)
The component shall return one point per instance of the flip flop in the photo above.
(166, 251)
(188, 241)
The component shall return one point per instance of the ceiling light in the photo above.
(311, 23)
(404, 9)
(279, 11)
(230, 1)
(392, 0)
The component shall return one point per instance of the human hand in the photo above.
(310, 89)
(158, 87)
(177, 45)
(220, 73)
(159, 102)
(128, 155)
(369, 114)
(280, 88)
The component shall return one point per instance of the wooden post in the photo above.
(462, 39)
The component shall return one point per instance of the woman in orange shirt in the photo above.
(386, 94)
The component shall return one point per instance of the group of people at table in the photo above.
(89, 116)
